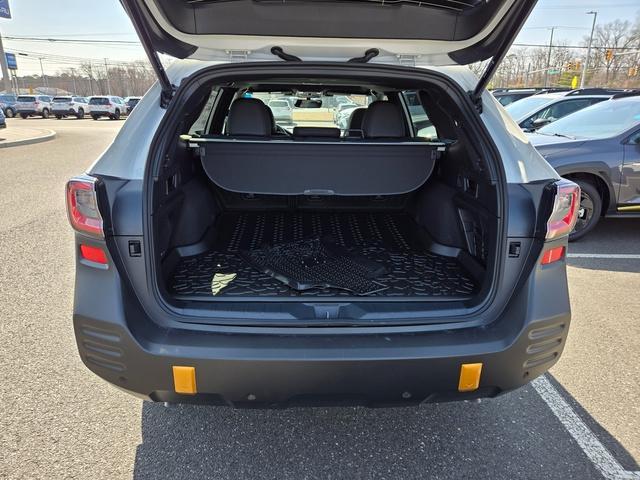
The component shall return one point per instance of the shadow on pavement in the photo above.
(513, 436)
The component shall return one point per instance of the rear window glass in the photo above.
(422, 126)
(279, 103)
(133, 101)
(26, 99)
(61, 99)
(99, 101)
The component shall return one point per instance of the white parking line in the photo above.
(623, 256)
(601, 458)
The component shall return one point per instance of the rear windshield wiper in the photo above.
(555, 134)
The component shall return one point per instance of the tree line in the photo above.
(614, 60)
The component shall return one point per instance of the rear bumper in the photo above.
(68, 111)
(101, 114)
(241, 371)
(28, 112)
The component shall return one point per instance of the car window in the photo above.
(61, 99)
(422, 126)
(26, 99)
(602, 120)
(201, 125)
(520, 108)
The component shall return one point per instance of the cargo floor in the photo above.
(393, 240)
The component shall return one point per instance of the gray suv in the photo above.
(224, 260)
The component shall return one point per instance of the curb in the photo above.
(48, 135)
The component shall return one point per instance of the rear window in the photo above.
(61, 99)
(279, 104)
(133, 102)
(99, 101)
(26, 99)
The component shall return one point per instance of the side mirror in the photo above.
(541, 122)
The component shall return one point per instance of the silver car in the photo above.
(70, 106)
(33, 105)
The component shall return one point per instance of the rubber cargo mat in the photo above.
(390, 240)
(317, 263)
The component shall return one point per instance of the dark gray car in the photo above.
(598, 148)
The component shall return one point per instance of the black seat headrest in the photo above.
(249, 116)
(356, 118)
(324, 132)
(383, 120)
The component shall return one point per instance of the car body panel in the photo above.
(69, 105)
(629, 196)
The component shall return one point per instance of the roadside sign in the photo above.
(5, 11)
(553, 71)
(12, 63)
(574, 82)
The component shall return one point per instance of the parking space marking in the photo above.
(622, 256)
(601, 458)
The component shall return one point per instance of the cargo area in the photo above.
(396, 205)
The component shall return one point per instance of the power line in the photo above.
(86, 41)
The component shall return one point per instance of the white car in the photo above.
(33, 105)
(221, 260)
(69, 106)
(109, 106)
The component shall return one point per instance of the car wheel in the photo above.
(80, 113)
(10, 113)
(116, 116)
(45, 113)
(58, 117)
(24, 115)
(588, 212)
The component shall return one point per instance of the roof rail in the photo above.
(628, 93)
(596, 91)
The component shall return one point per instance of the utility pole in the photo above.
(6, 79)
(44, 77)
(546, 72)
(73, 77)
(585, 64)
(106, 72)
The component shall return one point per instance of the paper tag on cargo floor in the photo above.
(221, 280)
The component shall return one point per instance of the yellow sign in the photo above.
(574, 82)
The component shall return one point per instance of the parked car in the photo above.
(599, 149)
(282, 112)
(8, 104)
(3, 121)
(537, 111)
(507, 96)
(219, 261)
(131, 103)
(107, 106)
(33, 105)
(71, 105)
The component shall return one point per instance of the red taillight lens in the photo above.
(82, 206)
(93, 254)
(552, 255)
(565, 210)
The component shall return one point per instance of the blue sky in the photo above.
(106, 20)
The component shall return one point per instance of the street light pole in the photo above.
(44, 77)
(106, 72)
(546, 72)
(585, 64)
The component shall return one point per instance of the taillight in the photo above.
(82, 206)
(565, 210)
(93, 254)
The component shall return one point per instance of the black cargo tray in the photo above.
(390, 240)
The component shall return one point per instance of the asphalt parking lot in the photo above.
(57, 420)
